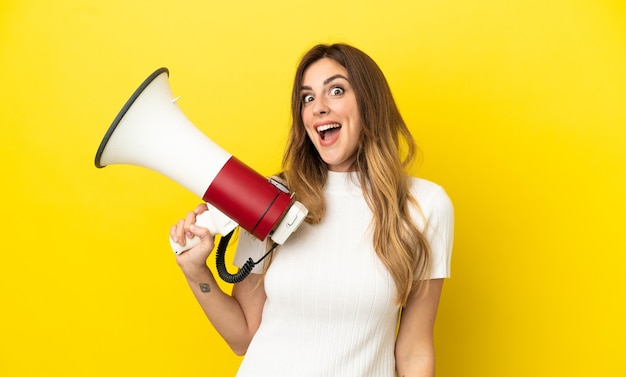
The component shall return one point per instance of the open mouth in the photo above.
(328, 130)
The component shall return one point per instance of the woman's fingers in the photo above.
(182, 230)
(177, 232)
(190, 220)
(201, 208)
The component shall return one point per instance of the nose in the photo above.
(320, 107)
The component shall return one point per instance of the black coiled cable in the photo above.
(244, 271)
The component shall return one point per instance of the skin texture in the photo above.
(328, 99)
(415, 348)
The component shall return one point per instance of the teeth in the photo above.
(327, 127)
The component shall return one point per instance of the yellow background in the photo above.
(519, 106)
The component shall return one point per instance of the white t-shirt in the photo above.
(330, 308)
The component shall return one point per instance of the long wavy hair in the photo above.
(385, 153)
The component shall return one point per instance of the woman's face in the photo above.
(330, 113)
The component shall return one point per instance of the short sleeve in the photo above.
(438, 212)
(249, 246)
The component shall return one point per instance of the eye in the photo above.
(307, 98)
(336, 91)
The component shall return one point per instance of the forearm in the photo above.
(222, 310)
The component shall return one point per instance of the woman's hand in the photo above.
(194, 258)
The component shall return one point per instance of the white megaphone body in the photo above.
(151, 131)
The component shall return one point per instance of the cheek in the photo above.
(307, 122)
(311, 134)
(305, 114)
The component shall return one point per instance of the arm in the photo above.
(236, 318)
(415, 349)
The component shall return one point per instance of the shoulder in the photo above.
(435, 217)
(431, 197)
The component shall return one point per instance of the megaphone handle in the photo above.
(214, 220)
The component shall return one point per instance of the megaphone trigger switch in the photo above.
(292, 220)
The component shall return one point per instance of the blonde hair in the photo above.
(381, 165)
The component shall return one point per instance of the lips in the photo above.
(328, 131)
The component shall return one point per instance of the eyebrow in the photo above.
(327, 81)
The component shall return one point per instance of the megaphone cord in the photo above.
(244, 271)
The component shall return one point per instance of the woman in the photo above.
(355, 290)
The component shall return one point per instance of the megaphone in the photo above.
(151, 131)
